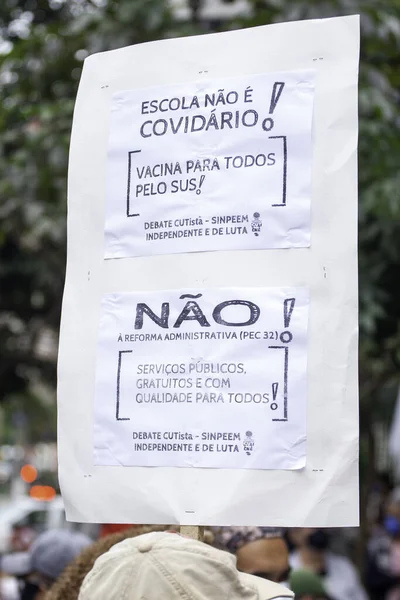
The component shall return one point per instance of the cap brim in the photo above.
(17, 563)
(267, 590)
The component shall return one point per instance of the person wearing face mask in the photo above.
(338, 574)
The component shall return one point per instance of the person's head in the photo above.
(260, 551)
(69, 583)
(307, 586)
(22, 537)
(265, 557)
(47, 558)
(168, 566)
(316, 540)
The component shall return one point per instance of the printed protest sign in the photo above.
(202, 379)
(211, 165)
(144, 314)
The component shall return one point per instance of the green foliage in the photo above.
(44, 44)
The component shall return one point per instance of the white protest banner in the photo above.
(211, 165)
(202, 379)
(129, 323)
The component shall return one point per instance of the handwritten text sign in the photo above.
(211, 165)
(213, 378)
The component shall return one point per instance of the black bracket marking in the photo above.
(284, 182)
(128, 191)
(120, 353)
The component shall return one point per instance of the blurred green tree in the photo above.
(43, 44)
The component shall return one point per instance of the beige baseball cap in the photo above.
(168, 566)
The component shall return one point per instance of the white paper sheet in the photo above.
(211, 165)
(204, 378)
(325, 491)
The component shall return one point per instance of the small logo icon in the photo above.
(256, 223)
(248, 443)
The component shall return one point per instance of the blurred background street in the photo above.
(43, 44)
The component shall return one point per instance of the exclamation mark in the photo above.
(277, 90)
(202, 178)
(288, 306)
(274, 404)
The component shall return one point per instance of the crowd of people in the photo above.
(232, 563)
